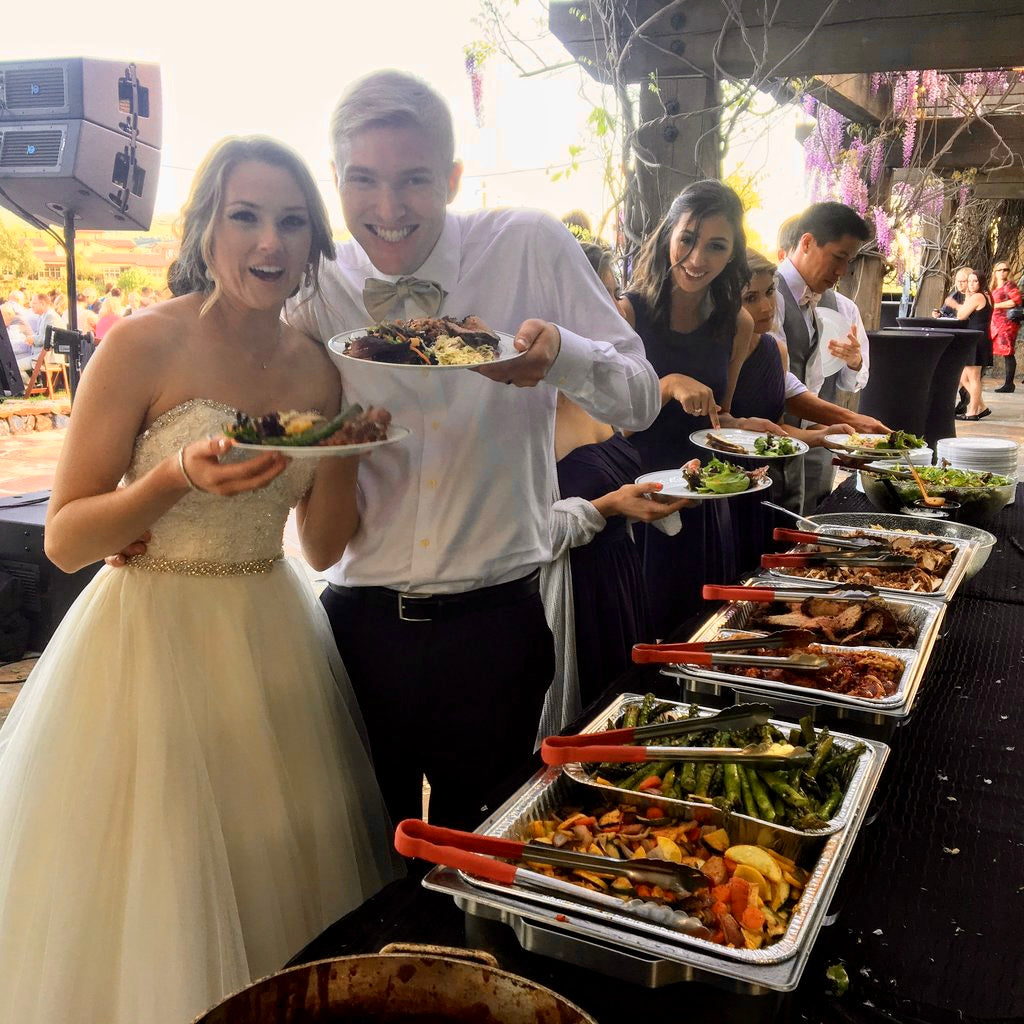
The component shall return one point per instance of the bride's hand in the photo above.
(136, 548)
(202, 469)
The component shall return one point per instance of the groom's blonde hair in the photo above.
(393, 99)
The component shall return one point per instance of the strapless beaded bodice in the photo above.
(207, 529)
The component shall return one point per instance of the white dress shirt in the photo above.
(464, 501)
(849, 380)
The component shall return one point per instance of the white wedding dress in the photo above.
(185, 796)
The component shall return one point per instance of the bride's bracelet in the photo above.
(184, 472)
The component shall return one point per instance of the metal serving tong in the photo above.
(715, 652)
(860, 544)
(763, 593)
(473, 853)
(806, 559)
(618, 745)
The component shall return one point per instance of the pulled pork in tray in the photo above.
(933, 557)
(868, 623)
(870, 674)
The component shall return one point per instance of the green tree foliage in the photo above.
(16, 257)
(134, 278)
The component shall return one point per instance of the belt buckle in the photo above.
(402, 598)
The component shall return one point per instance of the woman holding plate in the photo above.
(185, 796)
(685, 302)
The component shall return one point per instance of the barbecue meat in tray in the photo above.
(872, 622)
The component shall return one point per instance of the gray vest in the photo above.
(798, 339)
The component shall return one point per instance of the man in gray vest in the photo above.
(828, 236)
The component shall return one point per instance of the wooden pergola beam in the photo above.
(852, 97)
(1004, 184)
(686, 36)
(984, 142)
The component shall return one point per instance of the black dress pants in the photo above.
(457, 699)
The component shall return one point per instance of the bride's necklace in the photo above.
(264, 363)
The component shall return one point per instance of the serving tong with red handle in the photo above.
(474, 853)
(763, 594)
(828, 540)
(809, 559)
(717, 652)
(618, 744)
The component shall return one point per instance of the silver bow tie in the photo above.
(379, 297)
(809, 300)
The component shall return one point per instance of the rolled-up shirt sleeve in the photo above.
(794, 386)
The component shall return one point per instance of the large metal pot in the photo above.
(401, 983)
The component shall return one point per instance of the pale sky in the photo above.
(239, 70)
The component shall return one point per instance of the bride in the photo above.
(185, 794)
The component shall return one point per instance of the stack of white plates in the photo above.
(982, 454)
(918, 456)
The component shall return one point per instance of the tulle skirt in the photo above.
(185, 799)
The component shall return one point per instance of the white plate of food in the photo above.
(748, 443)
(321, 451)
(895, 443)
(711, 480)
(308, 435)
(425, 344)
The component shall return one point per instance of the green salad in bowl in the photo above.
(980, 495)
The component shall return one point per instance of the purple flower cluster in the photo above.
(909, 137)
(885, 239)
(877, 160)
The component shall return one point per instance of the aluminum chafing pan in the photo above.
(857, 777)
(951, 582)
(654, 956)
(924, 615)
(897, 704)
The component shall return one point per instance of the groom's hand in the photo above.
(136, 548)
(539, 343)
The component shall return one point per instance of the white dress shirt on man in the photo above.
(849, 380)
(464, 501)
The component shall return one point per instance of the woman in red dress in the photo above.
(1005, 295)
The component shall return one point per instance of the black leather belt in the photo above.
(428, 607)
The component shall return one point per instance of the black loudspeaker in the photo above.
(47, 593)
(81, 138)
(11, 382)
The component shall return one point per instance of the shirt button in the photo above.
(436, 425)
(432, 484)
(425, 542)
(562, 382)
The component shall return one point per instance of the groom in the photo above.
(435, 604)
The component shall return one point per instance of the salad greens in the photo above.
(947, 476)
(900, 440)
(774, 444)
(718, 477)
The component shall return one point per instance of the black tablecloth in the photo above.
(931, 903)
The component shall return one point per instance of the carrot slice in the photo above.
(739, 895)
(752, 918)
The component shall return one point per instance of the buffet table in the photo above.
(929, 907)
